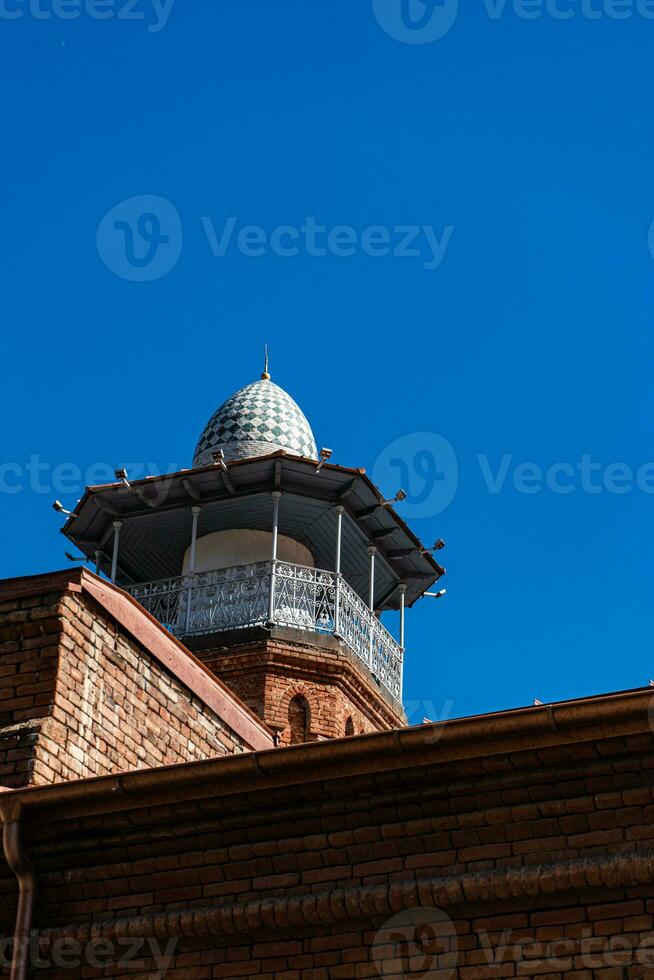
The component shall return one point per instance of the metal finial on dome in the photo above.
(265, 376)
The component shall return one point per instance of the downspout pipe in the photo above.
(23, 868)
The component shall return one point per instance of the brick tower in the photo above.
(272, 564)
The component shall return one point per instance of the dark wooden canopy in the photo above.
(157, 520)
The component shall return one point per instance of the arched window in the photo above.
(349, 726)
(298, 719)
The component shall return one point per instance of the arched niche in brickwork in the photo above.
(349, 725)
(299, 720)
(298, 696)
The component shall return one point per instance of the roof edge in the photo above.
(279, 454)
(542, 727)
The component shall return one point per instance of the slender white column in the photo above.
(402, 618)
(195, 511)
(276, 496)
(402, 610)
(339, 536)
(372, 551)
(337, 592)
(114, 560)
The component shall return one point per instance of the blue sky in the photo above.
(529, 340)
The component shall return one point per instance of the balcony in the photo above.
(280, 593)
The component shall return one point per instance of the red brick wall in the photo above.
(30, 630)
(118, 708)
(268, 673)
(329, 707)
(608, 941)
(79, 697)
(527, 855)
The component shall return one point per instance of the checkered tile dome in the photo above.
(259, 419)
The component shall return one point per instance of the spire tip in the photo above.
(265, 376)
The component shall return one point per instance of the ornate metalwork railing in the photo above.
(275, 592)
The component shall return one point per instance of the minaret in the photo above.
(271, 564)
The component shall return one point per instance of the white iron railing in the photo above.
(277, 592)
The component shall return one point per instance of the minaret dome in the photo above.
(257, 420)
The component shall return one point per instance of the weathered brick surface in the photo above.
(29, 635)
(455, 834)
(469, 951)
(269, 672)
(498, 850)
(79, 698)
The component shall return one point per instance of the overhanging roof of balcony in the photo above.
(157, 521)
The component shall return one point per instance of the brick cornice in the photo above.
(324, 647)
(47, 582)
(337, 906)
(336, 670)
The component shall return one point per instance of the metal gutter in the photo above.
(484, 736)
(23, 869)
